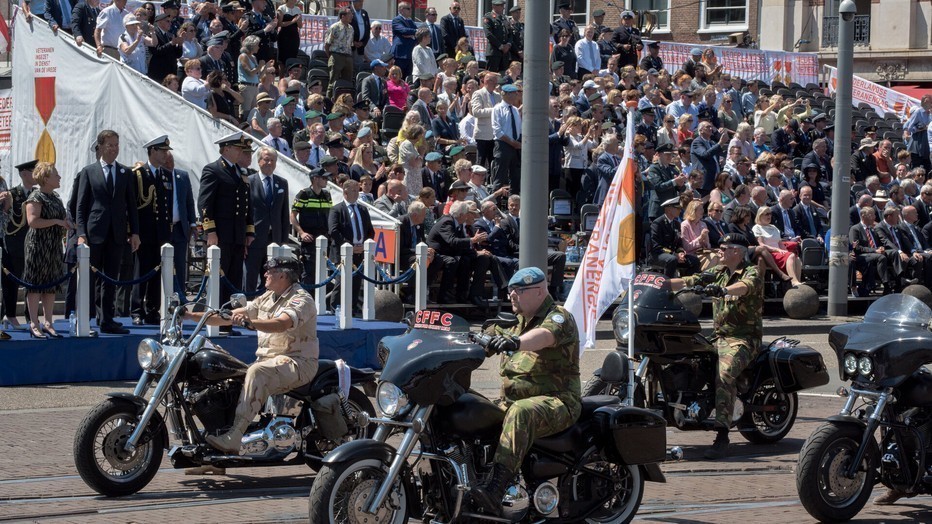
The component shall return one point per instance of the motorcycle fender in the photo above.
(361, 449)
(652, 473)
(141, 404)
(847, 419)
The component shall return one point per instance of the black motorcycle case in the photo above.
(797, 368)
(639, 435)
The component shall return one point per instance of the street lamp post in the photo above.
(841, 182)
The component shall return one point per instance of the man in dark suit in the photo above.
(921, 249)
(705, 153)
(784, 139)
(898, 248)
(784, 218)
(403, 29)
(184, 219)
(349, 223)
(374, 89)
(226, 210)
(167, 51)
(154, 206)
(806, 216)
(411, 233)
(718, 228)
(463, 266)
(84, 21)
(106, 216)
(490, 223)
(268, 193)
(361, 33)
(742, 198)
(870, 258)
(453, 28)
(666, 245)
(924, 205)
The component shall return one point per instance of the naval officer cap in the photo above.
(673, 202)
(233, 139)
(27, 166)
(161, 143)
(528, 276)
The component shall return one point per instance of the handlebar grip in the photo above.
(481, 338)
(248, 325)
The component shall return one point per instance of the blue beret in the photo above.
(433, 156)
(695, 51)
(527, 277)
(510, 88)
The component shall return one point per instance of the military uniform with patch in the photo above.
(540, 390)
(737, 332)
(497, 34)
(154, 203)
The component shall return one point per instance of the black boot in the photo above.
(719, 447)
(490, 494)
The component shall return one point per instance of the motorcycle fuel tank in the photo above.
(217, 364)
(472, 415)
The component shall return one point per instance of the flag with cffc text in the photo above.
(609, 263)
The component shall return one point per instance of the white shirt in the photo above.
(502, 115)
(195, 91)
(423, 62)
(481, 104)
(110, 23)
(376, 47)
(467, 128)
(587, 55)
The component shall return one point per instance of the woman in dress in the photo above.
(48, 224)
(217, 103)
(397, 88)
(789, 267)
(289, 36)
(190, 47)
(564, 52)
(363, 165)
(695, 235)
(193, 89)
(446, 132)
(667, 133)
(578, 143)
(744, 138)
(684, 130)
(411, 159)
(247, 73)
(741, 225)
(133, 44)
(722, 193)
(424, 66)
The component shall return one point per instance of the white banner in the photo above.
(609, 263)
(6, 120)
(882, 99)
(750, 64)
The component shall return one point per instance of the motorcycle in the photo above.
(592, 472)
(677, 368)
(118, 446)
(882, 357)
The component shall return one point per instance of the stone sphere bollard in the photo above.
(921, 292)
(692, 302)
(388, 306)
(801, 302)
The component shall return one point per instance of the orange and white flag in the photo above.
(609, 264)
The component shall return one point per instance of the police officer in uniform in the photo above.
(285, 319)
(738, 326)
(652, 59)
(262, 25)
(309, 217)
(14, 251)
(226, 210)
(496, 32)
(627, 40)
(154, 203)
(565, 22)
(516, 32)
(540, 378)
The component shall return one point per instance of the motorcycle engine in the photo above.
(685, 376)
(214, 404)
(277, 439)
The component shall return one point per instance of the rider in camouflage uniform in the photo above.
(738, 326)
(540, 378)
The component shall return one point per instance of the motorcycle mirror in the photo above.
(504, 320)
(409, 319)
(237, 300)
(707, 277)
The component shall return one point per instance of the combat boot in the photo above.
(232, 440)
(889, 497)
(719, 447)
(490, 494)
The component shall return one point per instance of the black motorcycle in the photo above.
(592, 472)
(118, 446)
(677, 367)
(883, 358)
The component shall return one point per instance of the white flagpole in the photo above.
(629, 400)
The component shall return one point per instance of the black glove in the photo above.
(503, 344)
(714, 291)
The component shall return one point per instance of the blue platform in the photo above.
(25, 360)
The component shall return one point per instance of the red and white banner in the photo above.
(882, 99)
(5, 39)
(609, 263)
(750, 64)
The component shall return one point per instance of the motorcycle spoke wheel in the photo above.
(627, 490)
(110, 455)
(341, 495)
(767, 427)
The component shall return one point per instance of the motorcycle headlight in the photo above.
(150, 354)
(865, 366)
(390, 398)
(851, 364)
(620, 327)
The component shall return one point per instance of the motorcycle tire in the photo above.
(623, 508)
(825, 493)
(98, 446)
(357, 401)
(352, 484)
(769, 427)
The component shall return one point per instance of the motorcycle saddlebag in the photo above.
(797, 368)
(634, 435)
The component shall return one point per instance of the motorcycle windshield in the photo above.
(899, 310)
(652, 291)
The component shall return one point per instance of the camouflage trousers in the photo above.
(734, 356)
(271, 376)
(529, 419)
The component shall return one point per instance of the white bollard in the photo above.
(83, 298)
(168, 280)
(320, 272)
(345, 319)
(271, 251)
(213, 285)
(287, 252)
(420, 276)
(368, 288)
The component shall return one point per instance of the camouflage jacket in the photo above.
(737, 317)
(552, 371)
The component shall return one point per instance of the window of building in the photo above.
(724, 14)
(580, 12)
(485, 6)
(660, 7)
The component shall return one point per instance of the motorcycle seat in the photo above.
(566, 441)
(594, 402)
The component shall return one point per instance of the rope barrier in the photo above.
(200, 291)
(140, 280)
(249, 294)
(39, 287)
(335, 272)
(404, 277)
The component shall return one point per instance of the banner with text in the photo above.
(749, 64)
(882, 99)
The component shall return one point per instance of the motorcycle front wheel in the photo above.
(341, 492)
(767, 427)
(99, 453)
(826, 493)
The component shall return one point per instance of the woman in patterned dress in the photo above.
(48, 223)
